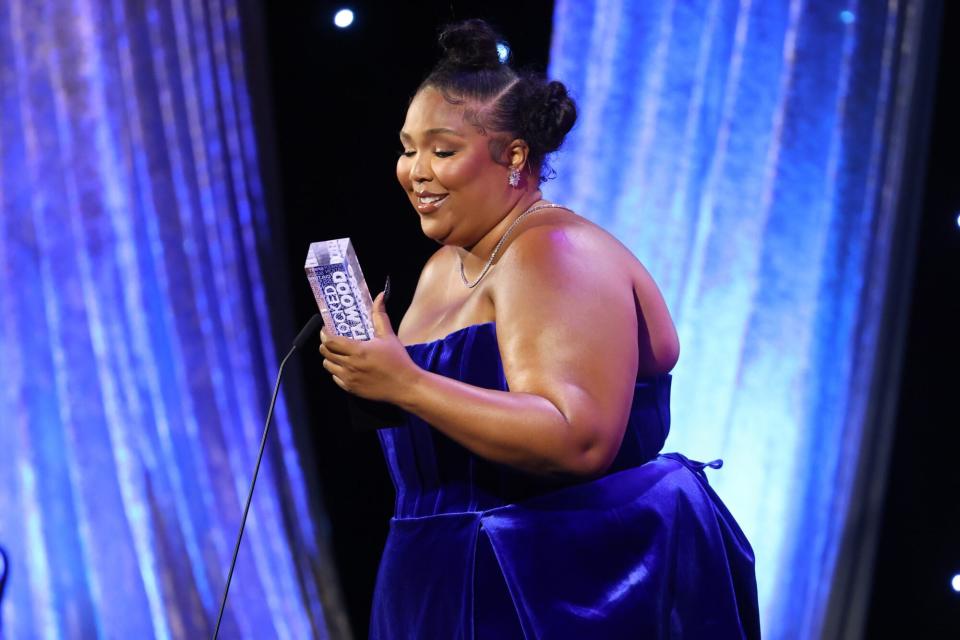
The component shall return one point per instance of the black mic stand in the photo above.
(308, 330)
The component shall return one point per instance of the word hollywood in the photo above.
(339, 288)
(343, 307)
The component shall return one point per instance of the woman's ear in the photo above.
(518, 152)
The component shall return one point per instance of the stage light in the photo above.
(955, 583)
(343, 18)
(503, 52)
(958, 219)
(847, 17)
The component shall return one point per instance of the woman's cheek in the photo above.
(452, 174)
(403, 172)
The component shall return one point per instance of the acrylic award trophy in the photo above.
(346, 307)
(340, 289)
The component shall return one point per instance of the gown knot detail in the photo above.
(695, 465)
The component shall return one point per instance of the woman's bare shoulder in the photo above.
(589, 263)
(565, 235)
(562, 255)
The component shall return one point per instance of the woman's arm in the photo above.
(567, 327)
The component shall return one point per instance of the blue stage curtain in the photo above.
(747, 153)
(136, 356)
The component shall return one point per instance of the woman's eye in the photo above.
(409, 153)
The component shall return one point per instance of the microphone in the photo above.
(313, 324)
(305, 334)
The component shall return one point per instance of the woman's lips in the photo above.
(428, 203)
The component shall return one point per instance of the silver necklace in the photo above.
(503, 238)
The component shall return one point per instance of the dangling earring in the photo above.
(514, 178)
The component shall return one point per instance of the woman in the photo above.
(530, 498)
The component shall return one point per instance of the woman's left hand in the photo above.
(375, 369)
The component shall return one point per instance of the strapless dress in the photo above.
(477, 549)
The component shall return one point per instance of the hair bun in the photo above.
(551, 113)
(498, 99)
(471, 44)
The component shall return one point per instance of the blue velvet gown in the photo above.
(480, 550)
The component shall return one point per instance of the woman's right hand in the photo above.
(375, 369)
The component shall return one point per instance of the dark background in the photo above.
(334, 102)
(919, 548)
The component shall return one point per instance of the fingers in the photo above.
(337, 344)
(338, 370)
(381, 321)
(336, 358)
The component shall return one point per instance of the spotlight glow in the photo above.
(847, 17)
(958, 219)
(343, 18)
(503, 52)
(955, 583)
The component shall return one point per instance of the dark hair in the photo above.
(499, 99)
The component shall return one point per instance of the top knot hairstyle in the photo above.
(497, 98)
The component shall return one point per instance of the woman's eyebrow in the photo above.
(432, 132)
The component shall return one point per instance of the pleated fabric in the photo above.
(137, 354)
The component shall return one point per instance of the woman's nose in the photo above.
(419, 171)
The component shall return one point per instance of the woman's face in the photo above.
(455, 186)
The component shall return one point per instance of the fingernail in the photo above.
(386, 289)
